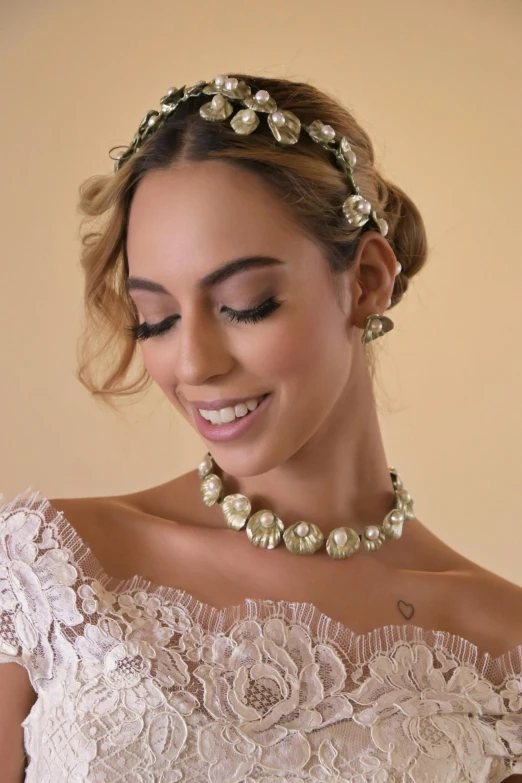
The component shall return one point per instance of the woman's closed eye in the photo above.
(145, 330)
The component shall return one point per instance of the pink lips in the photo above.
(234, 429)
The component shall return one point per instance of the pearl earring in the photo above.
(376, 326)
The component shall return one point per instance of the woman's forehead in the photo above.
(208, 211)
(209, 190)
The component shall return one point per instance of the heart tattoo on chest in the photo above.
(407, 610)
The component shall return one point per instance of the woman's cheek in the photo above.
(290, 353)
(154, 360)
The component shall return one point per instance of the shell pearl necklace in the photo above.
(265, 529)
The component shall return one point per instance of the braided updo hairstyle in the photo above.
(303, 175)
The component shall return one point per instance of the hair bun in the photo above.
(406, 233)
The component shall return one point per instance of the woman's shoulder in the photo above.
(165, 501)
(463, 597)
(487, 607)
(460, 596)
(109, 526)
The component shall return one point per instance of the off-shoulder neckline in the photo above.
(357, 648)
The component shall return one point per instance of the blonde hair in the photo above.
(303, 175)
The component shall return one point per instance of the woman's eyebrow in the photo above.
(214, 278)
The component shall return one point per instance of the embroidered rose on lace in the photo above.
(419, 713)
(118, 699)
(196, 645)
(37, 587)
(140, 605)
(116, 668)
(267, 685)
(95, 598)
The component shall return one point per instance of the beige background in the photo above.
(436, 84)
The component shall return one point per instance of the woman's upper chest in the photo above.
(220, 567)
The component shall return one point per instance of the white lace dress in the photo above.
(144, 684)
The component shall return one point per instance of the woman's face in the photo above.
(186, 223)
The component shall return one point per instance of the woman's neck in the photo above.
(339, 478)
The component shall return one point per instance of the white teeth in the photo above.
(226, 415)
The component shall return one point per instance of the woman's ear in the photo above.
(373, 275)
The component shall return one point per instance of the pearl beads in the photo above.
(284, 124)
(328, 132)
(266, 530)
(364, 207)
(249, 116)
(340, 537)
(205, 466)
(303, 538)
(262, 97)
(278, 118)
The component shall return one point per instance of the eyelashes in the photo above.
(144, 330)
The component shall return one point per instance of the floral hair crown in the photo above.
(285, 127)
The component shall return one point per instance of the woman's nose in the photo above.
(202, 350)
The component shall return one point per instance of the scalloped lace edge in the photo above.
(358, 649)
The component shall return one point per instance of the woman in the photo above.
(279, 613)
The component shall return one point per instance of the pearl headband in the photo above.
(285, 127)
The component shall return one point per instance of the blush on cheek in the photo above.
(157, 367)
(301, 353)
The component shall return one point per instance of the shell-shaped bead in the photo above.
(258, 103)
(205, 466)
(265, 529)
(245, 121)
(357, 210)
(342, 542)
(285, 126)
(211, 488)
(231, 88)
(372, 331)
(405, 503)
(373, 538)
(303, 538)
(216, 110)
(236, 510)
(321, 132)
(393, 523)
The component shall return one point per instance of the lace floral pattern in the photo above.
(141, 683)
